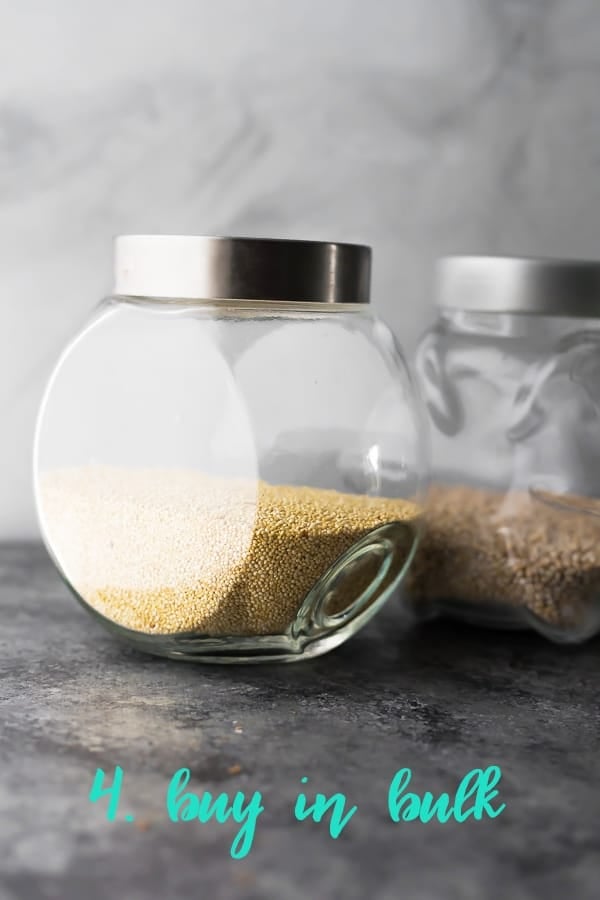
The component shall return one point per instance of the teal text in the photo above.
(185, 806)
(474, 798)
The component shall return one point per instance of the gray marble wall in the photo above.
(418, 126)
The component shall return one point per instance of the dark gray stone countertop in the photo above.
(439, 699)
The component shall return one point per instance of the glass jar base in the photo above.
(231, 649)
(364, 577)
(508, 617)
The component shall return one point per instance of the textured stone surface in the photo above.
(440, 700)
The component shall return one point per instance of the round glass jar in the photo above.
(511, 378)
(228, 456)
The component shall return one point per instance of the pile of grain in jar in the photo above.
(168, 551)
(537, 552)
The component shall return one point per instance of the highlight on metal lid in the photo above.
(240, 268)
(526, 285)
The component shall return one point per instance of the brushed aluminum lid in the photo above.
(239, 268)
(511, 284)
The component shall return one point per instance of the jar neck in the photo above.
(503, 324)
(246, 307)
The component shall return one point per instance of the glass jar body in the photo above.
(227, 482)
(513, 534)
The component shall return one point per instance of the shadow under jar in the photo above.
(511, 377)
(227, 457)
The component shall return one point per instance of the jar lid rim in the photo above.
(211, 267)
(519, 284)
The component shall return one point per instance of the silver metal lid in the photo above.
(551, 287)
(232, 268)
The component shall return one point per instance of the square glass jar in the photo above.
(510, 374)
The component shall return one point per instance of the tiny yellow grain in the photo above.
(169, 551)
(485, 547)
